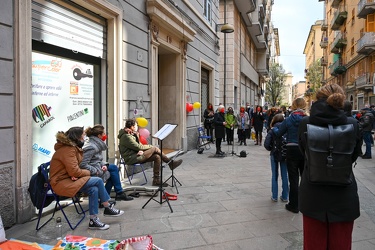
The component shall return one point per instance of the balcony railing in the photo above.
(323, 62)
(324, 26)
(366, 44)
(362, 81)
(338, 43)
(339, 17)
(365, 7)
(324, 42)
(336, 68)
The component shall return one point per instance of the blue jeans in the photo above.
(367, 140)
(114, 179)
(94, 187)
(275, 176)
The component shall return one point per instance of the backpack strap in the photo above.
(329, 157)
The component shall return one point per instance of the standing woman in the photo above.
(93, 161)
(274, 145)
(258, 120)
(208, 116)
(243, 123)
(67, 178)
(230, 119)
(219, 121)
(328, 211)
(294, 157)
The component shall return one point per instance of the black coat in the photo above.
(258, 119)
(219, 126)
(325, 202)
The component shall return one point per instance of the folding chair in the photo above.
(203, 139)
(58, 206)
(133, 169)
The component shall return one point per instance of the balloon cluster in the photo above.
(143, 132)
(190, 107)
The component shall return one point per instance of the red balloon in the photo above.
(143, 140)
(189, 107)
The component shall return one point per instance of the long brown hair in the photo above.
(98, 129)
(333, 94)
(277, 118)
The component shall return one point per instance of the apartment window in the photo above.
(373, 64)
(352, 47)
(370, 23)
(207, 9)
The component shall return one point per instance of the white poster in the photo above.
(62, 97)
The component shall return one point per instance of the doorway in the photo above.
(169, 92)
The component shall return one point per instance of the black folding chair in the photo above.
(44, 168)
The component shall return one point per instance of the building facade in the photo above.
(350, 54)
(246, 51)
(81, 62)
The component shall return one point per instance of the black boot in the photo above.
(156, 182)
(123, 197)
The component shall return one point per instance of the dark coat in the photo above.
(258, 119)
(325, 202)
(270, 141)
(219, 119)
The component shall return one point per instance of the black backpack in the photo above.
(38, 188)
(280, 148)
(329, 154)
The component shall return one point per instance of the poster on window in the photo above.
(62, 97)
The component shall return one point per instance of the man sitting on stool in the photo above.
(133, 152)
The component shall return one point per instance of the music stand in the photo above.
(161, 135)
(173, 177)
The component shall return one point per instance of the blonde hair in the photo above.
(298, 103)
(333, 94)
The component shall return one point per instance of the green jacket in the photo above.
(230, 120)
(129, 147)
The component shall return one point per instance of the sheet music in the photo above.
(164, 131)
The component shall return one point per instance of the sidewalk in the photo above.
(223, 203)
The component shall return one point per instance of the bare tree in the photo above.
(275, 84)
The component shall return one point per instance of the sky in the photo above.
(294, 18)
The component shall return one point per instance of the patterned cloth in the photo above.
(75, 242)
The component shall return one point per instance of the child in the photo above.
(274, 144)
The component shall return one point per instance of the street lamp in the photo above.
(225, 28)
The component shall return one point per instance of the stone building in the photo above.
(81, 62)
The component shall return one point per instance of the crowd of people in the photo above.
(77, 164)
(328, 210)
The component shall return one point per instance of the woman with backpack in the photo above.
(67, 178)
(277, 157)
(329, 210)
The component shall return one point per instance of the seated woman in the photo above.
(93, 161)
(67, 178)
(134, 152)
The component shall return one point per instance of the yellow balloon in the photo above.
(196, 105)
(142, 122)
